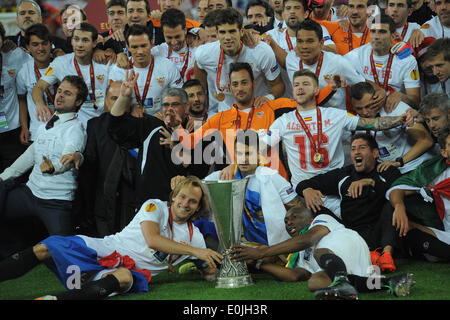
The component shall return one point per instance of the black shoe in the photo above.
(340, 289)
(400, 286)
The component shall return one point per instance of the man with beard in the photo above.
(198, 110)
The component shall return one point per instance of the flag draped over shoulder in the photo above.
(421, 208)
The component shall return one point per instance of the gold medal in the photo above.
(317, 157)
(220, 96)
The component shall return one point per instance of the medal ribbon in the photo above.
(249, 119)
(405, 29)
(289, 42)
(47, 91)
(308, 132)
(92, 76)
(350, 37)
(219, 67)
(147, 84)
(387, 73)
(191, 232)
(319, 64)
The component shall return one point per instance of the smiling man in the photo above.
(49, 192)
(212, 64)
(361, 189)
(160, 236)
(80, 63)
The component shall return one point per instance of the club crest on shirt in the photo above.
(161, 81)
(328, 77)
(100, 78)
(150, 207)
(260, 114)
(12, 73)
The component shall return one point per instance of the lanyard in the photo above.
(186, 61)
(191, 232)
(387, 73)
(289, 42)
(147, 84)
(92, 76)
(47, 91)
(219, 67)
(405, 29)
(238, 117)
(350, 38)
(319, 64)
(317, 156)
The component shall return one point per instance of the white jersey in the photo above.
(9, 104)
(26, 80)
(261, 58)
(165, 75)
(300, 152)
(279, 35)
(404, 73)
(130, 241)
(395, 142)
(345, 243)
(178, 58)
(332, 64)
(434, 28)
(411, 26)
(65, 65)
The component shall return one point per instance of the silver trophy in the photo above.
(227, 204)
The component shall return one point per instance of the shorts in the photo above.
(71, 254)
(351, 248)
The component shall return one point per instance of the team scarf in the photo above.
(254, 230)
(293, 257)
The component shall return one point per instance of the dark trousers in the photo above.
(381, 233)
(56, 215)
(10, 148)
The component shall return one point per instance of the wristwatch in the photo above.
(400, 159)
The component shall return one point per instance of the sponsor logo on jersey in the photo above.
(274, 68)
(415, 74)
(100, 78)
(49, 71)
(150, 207)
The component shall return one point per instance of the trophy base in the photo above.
(234, 282)
(233, 274)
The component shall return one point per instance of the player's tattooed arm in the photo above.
(380, 123)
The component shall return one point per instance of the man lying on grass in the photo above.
(160, 236)
(333, 259)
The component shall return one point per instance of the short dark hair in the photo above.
(82, 89)
(248, 137)
(443, 134)
(137, 30)
(229, 16)
(173, 18)
(84, 26)
(192, 83)
(75, 6)
(311, 25)
(371, 142)
(358, 90)
(303, 2)
(383, 18)
(210, 19)
(39, 30)
(147, 5)
(111, 3)
(306, 73)
(260, 3)
(238, 66)
(409, 3)
(439, 46)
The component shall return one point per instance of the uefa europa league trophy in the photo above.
(227, 204)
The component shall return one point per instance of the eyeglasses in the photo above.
(173, 104)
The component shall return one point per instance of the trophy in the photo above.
(226, 200)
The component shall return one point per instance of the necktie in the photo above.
(51, 122)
